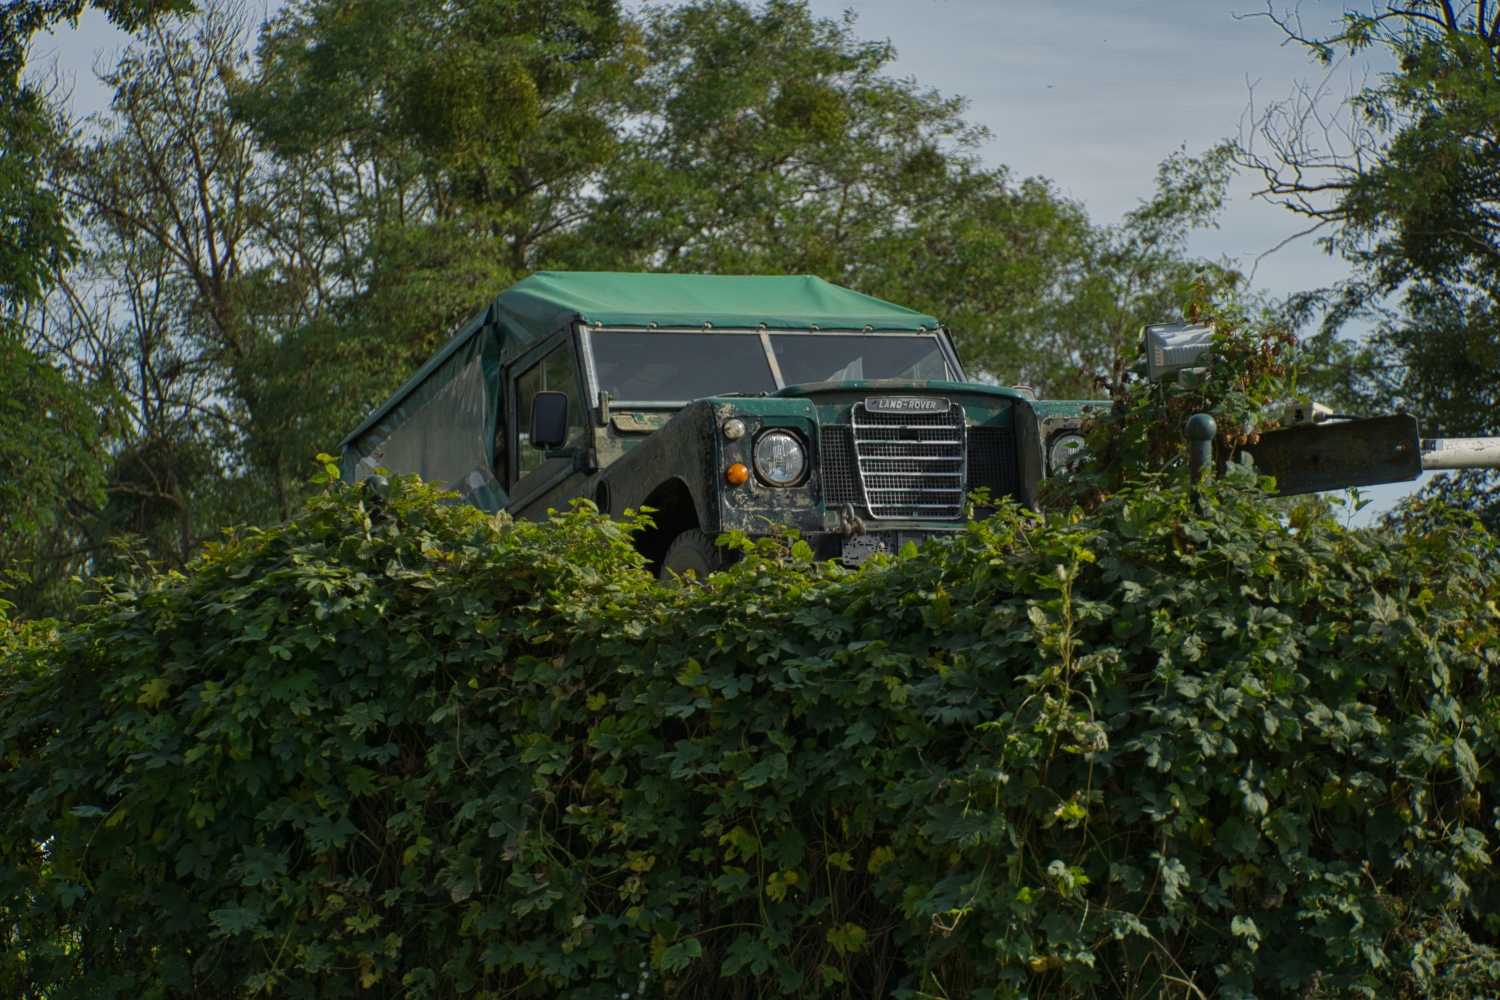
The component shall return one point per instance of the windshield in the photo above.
(643, 366)
(680, 366)
(833, 358)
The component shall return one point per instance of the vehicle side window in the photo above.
(553, 373)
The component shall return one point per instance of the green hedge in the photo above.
(395, 749)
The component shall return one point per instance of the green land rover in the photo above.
(723, 403)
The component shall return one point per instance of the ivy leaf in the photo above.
(1245, 927)
(848, 939)
(679, 956)
(462, 878)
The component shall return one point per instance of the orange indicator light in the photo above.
(737, 474)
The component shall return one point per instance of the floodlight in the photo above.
(1171, 347)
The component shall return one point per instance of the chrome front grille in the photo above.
(910, 465)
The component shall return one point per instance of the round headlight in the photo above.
(1066, 449)
(779, 458)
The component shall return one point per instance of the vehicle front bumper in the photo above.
(855, 549)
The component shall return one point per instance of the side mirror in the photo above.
(549, 420)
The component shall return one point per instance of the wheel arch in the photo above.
(675, 511)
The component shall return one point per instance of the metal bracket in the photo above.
(1338, 454)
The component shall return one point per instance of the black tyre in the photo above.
(691, 552)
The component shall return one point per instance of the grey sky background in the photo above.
(1091, 94)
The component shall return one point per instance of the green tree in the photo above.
(34, 233)
(1404, 179)
(764, 140)
(53, 419)
(168, 196)
(1128, 275)
(450, 141)
(52, 454)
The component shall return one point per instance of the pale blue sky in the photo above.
(1089, 93)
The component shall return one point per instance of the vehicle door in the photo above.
(536, 481)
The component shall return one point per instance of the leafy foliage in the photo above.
(225, 286)
(34, 236)
(448, 141)
(52, 456)
(394, 746)
(1404, 176)
(34, 233)
(23, 18)
(54, 459)
(1474, 490)
(1251, 369)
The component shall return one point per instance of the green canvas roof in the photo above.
(535, 306)
(547, 299)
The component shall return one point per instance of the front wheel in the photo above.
(691, 552)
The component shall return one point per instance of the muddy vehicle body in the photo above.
(724, 403)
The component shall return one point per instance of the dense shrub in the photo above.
(394, 749)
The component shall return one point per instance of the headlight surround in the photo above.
(780, 458)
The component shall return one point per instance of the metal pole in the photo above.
(1199, 430)
(1460, 453)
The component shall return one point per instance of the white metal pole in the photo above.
(1460, 453)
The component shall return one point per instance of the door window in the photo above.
(553, 373)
